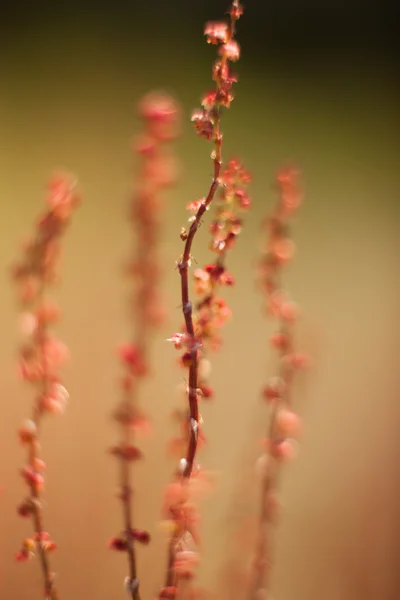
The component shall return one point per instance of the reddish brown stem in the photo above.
(270, 480)
(187, 305)
(187, 308)
(50, 591)
(126, 495)
(183, 266)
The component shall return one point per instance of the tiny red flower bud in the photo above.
(31, 477)
(49, 546)
(280, 341)
(140, 535)
(22, 556)
(186, 359)
(128, 452)
(207, 391)
(236, 10)
(132, 357)
(117, 544)
(274, 389)
(25, 509)
(28, 432)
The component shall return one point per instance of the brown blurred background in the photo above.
(317, 86)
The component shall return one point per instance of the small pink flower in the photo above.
(30, 371)
(231, 50)
(201, 274)
(274, 388)
(38, 464)
(209, 100)
(28, 289)
(145, 145)
(194, 206)
(291, 200)
(288, 423)
(162, 112)
(236, 10)
(132, 357)
(284, 249)
(216, 32)
(275, 302)
(52, 404)
(175, 495)
(32, 478)
(289, 311)
(49, 546)
(286, 450)
(62, 195)
(185, 564)
(280, 341)
(178, 340)
(243, 199)
(55, 352)
(28, 323)
(168, 593)
(203, 124)
(48, 313)
(162, 171)
(297, 360)
(207, 391)
(28, 432)
(23, 555)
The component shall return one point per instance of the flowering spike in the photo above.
(158, 171)
(202, 320)
(42, 354)
(284, 423)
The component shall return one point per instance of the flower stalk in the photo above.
(179, 507)
(284, 423)
(40, 357)
(157, 172)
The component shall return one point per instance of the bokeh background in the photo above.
(318, 87)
